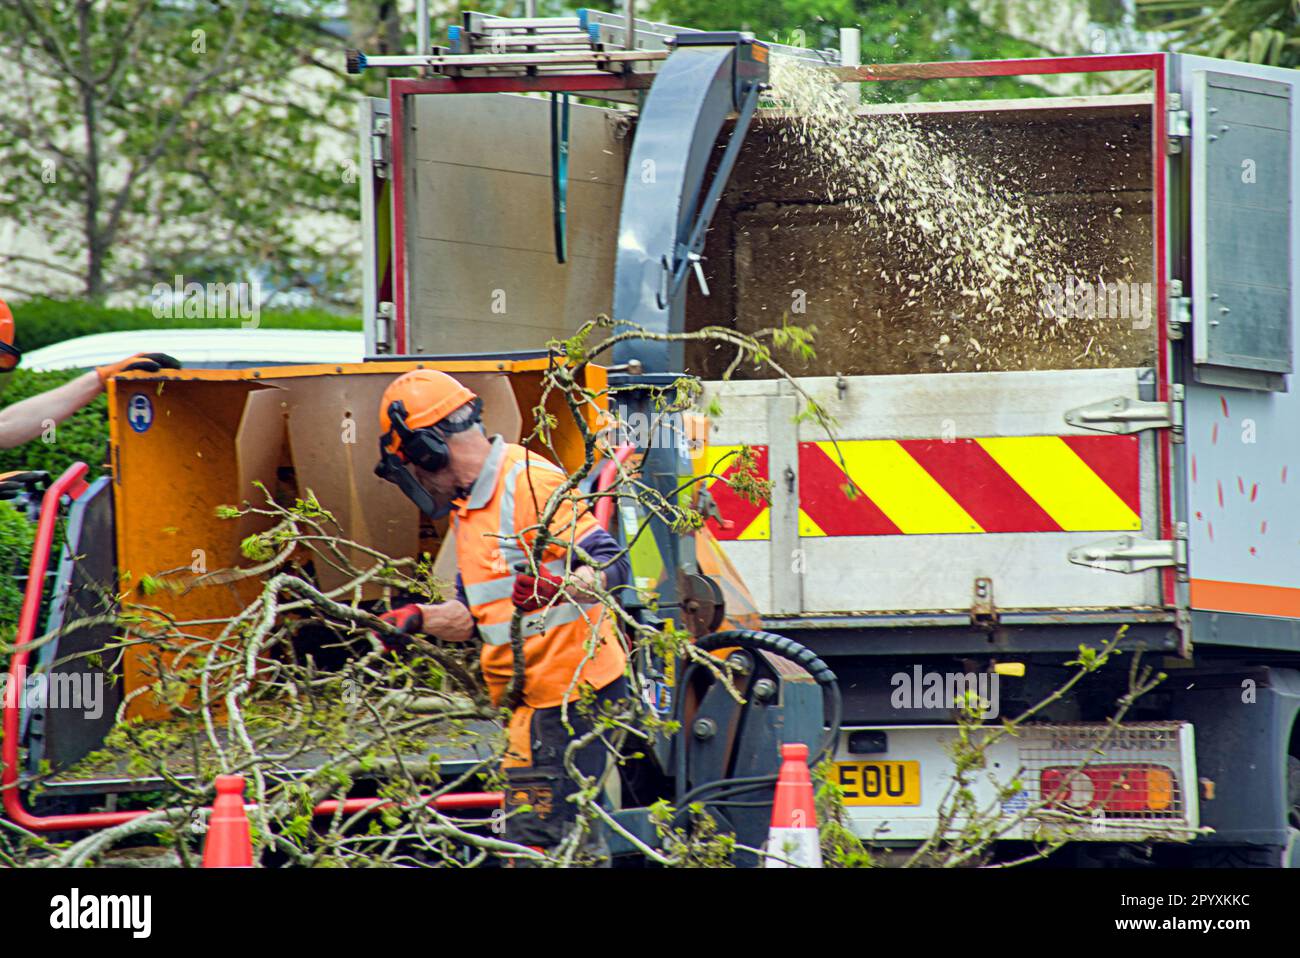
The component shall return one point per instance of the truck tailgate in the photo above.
(944, 492)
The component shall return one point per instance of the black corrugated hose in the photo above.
(801, 655)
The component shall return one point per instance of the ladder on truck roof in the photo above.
(593, 41)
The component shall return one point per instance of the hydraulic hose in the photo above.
(802, 656)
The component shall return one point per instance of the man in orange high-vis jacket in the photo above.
(433, 447)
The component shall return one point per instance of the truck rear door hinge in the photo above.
(1178, 124)
(384, 328)
(1124, 416)
(1131, 553)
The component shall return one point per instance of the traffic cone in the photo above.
(229, 843)
(793, 835)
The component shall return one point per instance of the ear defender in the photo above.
(425, 446)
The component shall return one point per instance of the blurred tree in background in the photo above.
(214, 139)
(1257, 31)
(891, 32)
(140, 139)
(910, 31)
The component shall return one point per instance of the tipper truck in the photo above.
(1004, 504)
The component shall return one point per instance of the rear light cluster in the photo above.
(1117, 789)
(1135, 781)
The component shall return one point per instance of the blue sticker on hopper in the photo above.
(139, 412)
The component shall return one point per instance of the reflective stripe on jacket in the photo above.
(491, 527)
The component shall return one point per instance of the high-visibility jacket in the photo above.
(565, 645)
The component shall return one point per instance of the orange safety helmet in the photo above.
(411, 429)
(9, 354)
(417, 400)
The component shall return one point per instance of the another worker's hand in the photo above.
(407, 619)
(536, 592)
(149, 362)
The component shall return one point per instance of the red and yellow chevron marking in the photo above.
(929, 486)
(749, 520)
(1003, 484)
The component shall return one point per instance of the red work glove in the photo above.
(535, 592)
(149, 362)
(405, 618)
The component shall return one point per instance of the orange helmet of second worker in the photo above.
(9, 354)
(427, 396)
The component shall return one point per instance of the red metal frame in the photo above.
(1033, 66)
(1123, 62)
(73, 485)
(399, 89)
(461, 801)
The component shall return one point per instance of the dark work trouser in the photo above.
(545, 784)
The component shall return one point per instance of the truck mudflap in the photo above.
(1046, 783)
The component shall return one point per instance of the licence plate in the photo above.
(880, 783)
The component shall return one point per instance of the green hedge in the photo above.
(82, 437)
(41, 322)
(16, 536)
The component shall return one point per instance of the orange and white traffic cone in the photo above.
(229, 843)
(793, 835)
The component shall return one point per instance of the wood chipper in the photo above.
(183, 445)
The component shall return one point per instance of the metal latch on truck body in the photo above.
(1129, 553)
(1124, 416)
(1180, 309)
(379, 149)
(1178, 125)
